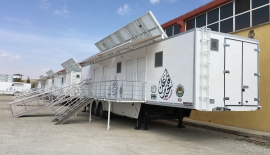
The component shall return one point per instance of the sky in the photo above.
(39, 35)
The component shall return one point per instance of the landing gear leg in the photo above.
(142, 119)
(180, 119)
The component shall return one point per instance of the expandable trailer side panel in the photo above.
(58, 81)
(48, 83)
(171, 84)
(86, 73)
(73, 78)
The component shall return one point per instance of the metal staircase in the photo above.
(204, 67)
(78, 105)
(37, 100)
(78, 101)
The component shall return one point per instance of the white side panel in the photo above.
(117, 108)
(250, 66)
(215, 73)
(96, 75)
(131, 109)
(129, 77)
(105, 73)
(68, 79)
(233, 80)
(6, 86)
(73, 78)
(48, 83)
(86, 72)
(140, 77)
(171, 84)
(58, 81)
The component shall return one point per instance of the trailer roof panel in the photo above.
(50, 73)
(71, 65)
(145, 26)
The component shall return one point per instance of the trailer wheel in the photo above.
(94, 108)
(101, 112)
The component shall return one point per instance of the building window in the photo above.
(213, 16)
(176, 29)
(118, 67)
(233, 16)
(159, 59)
(226, 11)
(201, 20)
(62, 80)
(173, 30)
(214, 27)
(242, 6)
(260, 16)
(169, 31)
(78, 76)
(257, 3)
(242, 21)
(190, 24)
(226, 26)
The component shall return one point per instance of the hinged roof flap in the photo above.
(50, 73)
(71, 65)
(144, 27)
(127, 46)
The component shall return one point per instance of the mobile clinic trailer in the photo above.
(142, 74)
(73, 72)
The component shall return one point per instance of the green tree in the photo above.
(28, 80)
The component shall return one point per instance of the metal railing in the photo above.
(116, 90)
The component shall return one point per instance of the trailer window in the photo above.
(214, 45)
(118, 67)
(159, 59)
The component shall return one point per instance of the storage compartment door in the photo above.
(250, 66)
(128, 86)
(140, 78)
(104, 91)
(96, 85)
(233, 77)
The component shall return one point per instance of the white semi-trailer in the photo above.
(142, 74)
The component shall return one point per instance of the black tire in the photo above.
(101, 112)
(94, 108)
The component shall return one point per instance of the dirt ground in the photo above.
(37, 134)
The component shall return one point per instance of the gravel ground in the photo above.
(37, 134)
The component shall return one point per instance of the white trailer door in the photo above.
(250, 66)
(104, 92)
(96, 85)
(241, 63)
(140, 77)
(233, 79)
(96, 75)
(129, 77)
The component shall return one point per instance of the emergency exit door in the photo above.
(240, 73)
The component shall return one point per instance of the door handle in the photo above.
(226, 72)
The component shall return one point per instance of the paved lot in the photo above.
(38, 135)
